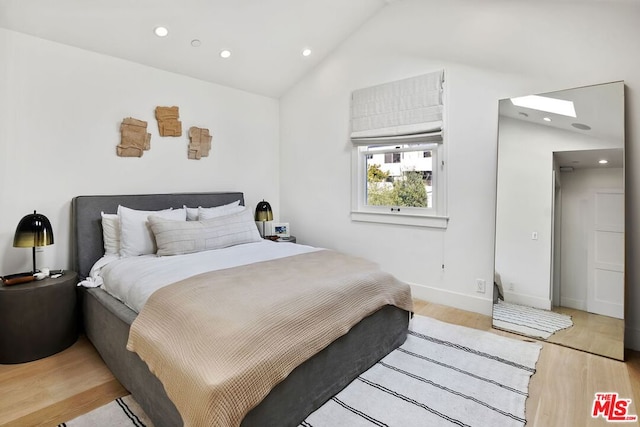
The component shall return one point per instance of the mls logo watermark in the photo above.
(612, 408)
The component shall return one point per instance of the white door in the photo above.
(605, 283)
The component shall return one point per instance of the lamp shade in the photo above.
(33, 230)
(264, 212)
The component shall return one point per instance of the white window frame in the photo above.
(421, 217)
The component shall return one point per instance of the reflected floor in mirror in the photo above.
(594, 333)
(573, 328)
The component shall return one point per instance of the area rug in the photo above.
(442, 375)
(528, 320)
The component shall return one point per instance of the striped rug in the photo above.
(443, 375)
(528, 320)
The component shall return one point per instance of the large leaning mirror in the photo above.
(559, 260)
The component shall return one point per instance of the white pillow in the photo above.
(192, 213)
(135, 236)
(176, 237)
(111, 233)
(210, 213)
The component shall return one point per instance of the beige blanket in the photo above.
(239, 332)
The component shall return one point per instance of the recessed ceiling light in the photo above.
(306, 52)
(543, 103)
(603, 161)
(581, 126)
(225, 53)
(546, 119)
(161, 31)
(196, 43)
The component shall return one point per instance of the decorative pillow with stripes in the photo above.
(184, 237)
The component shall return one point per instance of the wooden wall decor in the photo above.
(134, 139)
(200, 143)
(168, 123)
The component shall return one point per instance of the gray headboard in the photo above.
(86, 240)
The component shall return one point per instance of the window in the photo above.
(398, 153)
(405, 182)
(392, 158)
(409, 192)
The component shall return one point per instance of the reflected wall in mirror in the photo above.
(559, 260)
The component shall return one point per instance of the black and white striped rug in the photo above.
(443, 375)
(529, 320)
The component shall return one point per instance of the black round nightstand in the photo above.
(37, 319)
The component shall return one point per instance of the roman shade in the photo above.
(404, 110)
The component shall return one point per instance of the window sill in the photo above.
(401, 219)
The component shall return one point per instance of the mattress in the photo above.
(132, 280)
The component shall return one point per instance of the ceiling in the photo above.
(265, 37)
(600, 107)
(588, 159)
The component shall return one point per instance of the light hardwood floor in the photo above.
(58, 388)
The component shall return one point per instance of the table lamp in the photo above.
(264, 214)
(33, 230)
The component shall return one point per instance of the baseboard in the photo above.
(528, 300)
(483, 303)
(574, 303)
(632, 338)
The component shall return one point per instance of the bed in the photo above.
(107, 323)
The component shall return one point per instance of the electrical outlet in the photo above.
(481, 286)
(512, 287)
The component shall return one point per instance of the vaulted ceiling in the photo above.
(265, 37)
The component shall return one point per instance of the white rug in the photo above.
(528, 320)
(442, 375)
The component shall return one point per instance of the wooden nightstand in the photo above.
(37, 319)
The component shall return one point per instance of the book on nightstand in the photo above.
(16, 279)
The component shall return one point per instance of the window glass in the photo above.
(399, 176)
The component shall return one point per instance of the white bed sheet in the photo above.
(132, 280)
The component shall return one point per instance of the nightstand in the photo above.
(37, 319)
(290, 239)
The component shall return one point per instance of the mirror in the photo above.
(559, 248)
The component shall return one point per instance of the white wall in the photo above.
(60, 112)
(577, 203)
(524, 205)
(490, 51)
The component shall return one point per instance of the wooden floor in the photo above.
(56, 389)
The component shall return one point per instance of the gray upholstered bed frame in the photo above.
(107, 322)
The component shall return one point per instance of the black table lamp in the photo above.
(264, 214)
(33, 230)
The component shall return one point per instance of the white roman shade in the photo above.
(401, 110)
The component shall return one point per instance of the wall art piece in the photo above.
(134, 139)
(168, 123)
(200, 143)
